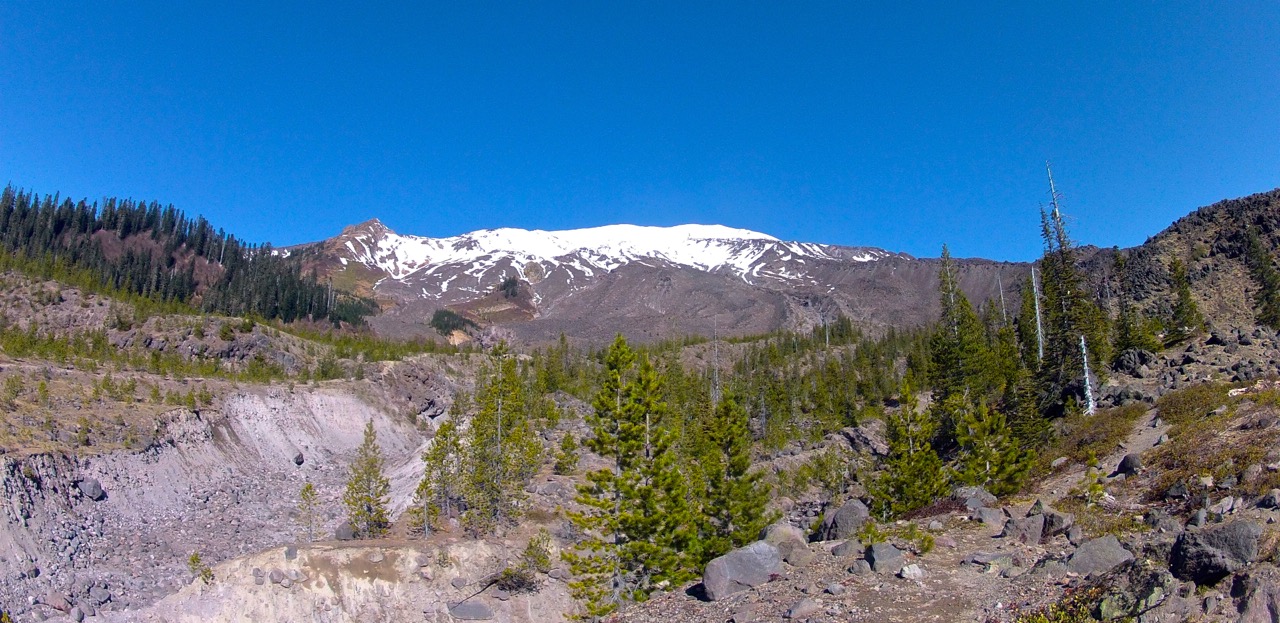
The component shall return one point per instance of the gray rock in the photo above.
(885, 558)
(558, 574)
(741, 568)
(1056, 523)
(836, 589)
(849, 548)
(471, 611)
(1261, 603)
(290, 552)
(911, 572)
(376, 556)
(344, 532)
(994, 517)
(99, 595)
(1270, 499)
(860, 567)
(1098, 556)
(845, 522)
(776, 534)
(298, 459)
(501, 595)
(1027, 530)
(92, 489)
(1208, 555)
(77, 614)
(286, 583)
(803, 609)
(973, 497)
(795, 553)
(458, 582)
(1130, 465)
(277, 576)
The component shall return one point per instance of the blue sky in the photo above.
(900, 127)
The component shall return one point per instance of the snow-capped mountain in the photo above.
(709, 248)
(644, 281)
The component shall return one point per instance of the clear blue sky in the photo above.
(901, 128)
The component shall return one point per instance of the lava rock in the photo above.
(741, 568)
(803, 609)
(1098, 556)
(1027, 530)
(885, 558)
(344, 532)
(845, 522)
(92, 489)
(1206, 556)
(298, 459)
(848, 548)
(1130, 465)
(973, 497)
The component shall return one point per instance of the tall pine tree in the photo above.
(734, 506)
(639, 529)
(913, 476)
(368, 489)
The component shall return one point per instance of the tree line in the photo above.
(160, 253)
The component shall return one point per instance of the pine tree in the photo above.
(567, 457)
(962, 361)
(440, 490)
(638, 526)
(913, 476)
(307, 509)
(1262, 269)
(1068, 313)
(1187, 321)
(989, 454)
(502, 451)
(734, 506)
(367, 489)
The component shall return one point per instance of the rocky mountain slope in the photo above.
(647, 282)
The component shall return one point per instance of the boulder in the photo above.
(1130, 465)
(92, 489)
(795, 553)
(860, 567)
(344, 532)
(471, 611)
(776, 534)
(885, 558)
(1056, 523)
(1208, 555)
(1261, 602)
(911, 572)
(993, 517)
(741, 568)
(1098, 556)
(849, 548)
(973, 497)
(77, 614)
(803, 609)
(845, 522)
(1028, 530)
(1270, 499)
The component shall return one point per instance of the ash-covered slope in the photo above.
(647, 282)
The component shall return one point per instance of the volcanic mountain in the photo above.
(646, 282)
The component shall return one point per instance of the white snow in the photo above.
(705, 247)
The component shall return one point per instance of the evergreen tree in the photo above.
(913, 476)
(1068, 313)
(734, 506)
(989, 454)
(962, 361)
(502, 451)
(567, 457)
(638, 525)
(1187, 321)
(307, 509)
(440, 490)
(1262, 269)
(367, 489)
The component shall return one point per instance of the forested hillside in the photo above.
(161, 254)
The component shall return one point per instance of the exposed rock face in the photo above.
(741, 568)
(1208, 555)
(885, 558)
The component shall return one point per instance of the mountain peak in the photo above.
(372, 226)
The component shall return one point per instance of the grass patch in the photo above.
(1091, 435)
(1193, 403)
(1096, 520)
